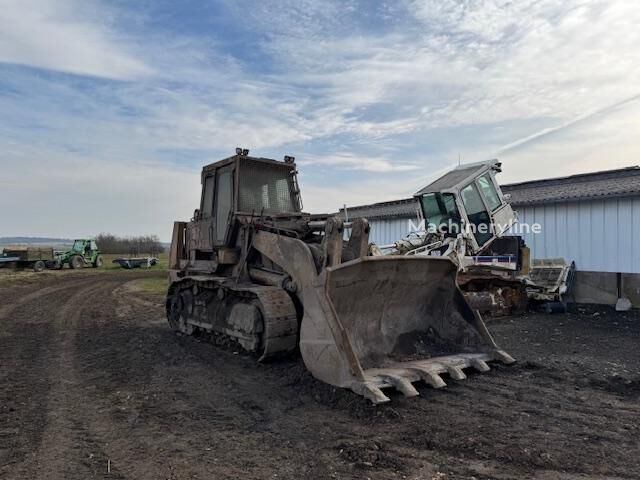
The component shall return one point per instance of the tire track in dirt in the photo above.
(24, 354)
(104, 368)
(63, 447)
(162, 399)
(36, 295)
(121, 370)
(57, 455)
(104, 356)
(76, 426)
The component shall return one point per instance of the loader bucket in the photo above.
(391, 321)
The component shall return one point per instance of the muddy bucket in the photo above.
(393, 321)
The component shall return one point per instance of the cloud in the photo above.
(351, 162)
(52, 35)
(450, 64)
(71, 195)
(606, 140)
(371, 99)
(518, 144)
(330, 198)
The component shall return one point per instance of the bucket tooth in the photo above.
(402, 384)
(369, 391)
(503, 356)
(480, 365)
(429, 376)
(456, 372)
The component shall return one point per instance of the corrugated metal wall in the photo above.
(386, 231)
(599, 235)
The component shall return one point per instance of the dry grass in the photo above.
(156, 287)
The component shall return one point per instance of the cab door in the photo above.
(223, 206)
(487, 212)
(200, 231)
(477, 214)
(502, 215)
(210, 229)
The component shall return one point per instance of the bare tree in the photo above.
(135, 246)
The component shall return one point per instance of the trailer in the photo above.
(139, 262)
(27, 257)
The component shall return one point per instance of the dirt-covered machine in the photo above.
(253, 270)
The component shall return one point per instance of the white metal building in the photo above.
(390, 221)
(592, 219)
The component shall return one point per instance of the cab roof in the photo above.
(236, 158)
(460, 175)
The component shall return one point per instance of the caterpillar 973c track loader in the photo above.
(252, 269)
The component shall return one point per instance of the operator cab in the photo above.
(467, 200)
(78, 246)
(242, 186)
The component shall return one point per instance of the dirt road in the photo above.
(93, 384)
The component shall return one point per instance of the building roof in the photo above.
(407, 207)
(621, 182)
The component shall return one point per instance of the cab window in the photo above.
(224, 198)
(476, 213)
(439, 209)
(207, 198)
(266, 188)
(489, 192)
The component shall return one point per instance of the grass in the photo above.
(152, 286)
(9, 276)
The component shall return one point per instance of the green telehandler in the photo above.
(83, 253)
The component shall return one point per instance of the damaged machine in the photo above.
(551, 280)
(253, 270)
(466, 218)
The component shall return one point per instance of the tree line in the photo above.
(138, 245)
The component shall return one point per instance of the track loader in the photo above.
(252, 270)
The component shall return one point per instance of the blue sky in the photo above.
(109, 109)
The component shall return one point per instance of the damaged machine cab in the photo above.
(251, 269)
(465, 212)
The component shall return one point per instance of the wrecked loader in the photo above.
(257, 271)
(466, 219)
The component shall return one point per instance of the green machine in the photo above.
(83, 253)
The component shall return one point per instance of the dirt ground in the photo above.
(93, 384)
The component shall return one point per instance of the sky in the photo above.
(108, 110)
